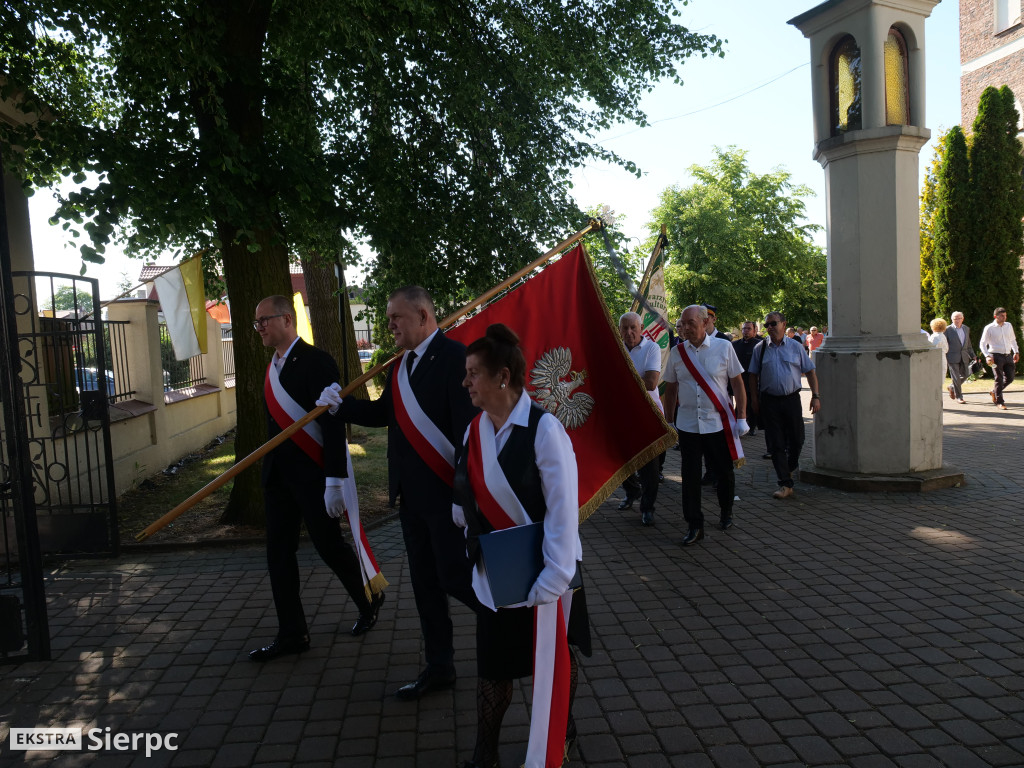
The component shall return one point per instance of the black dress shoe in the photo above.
(647, 517)
(725, 523)
(429, 680)
(281, 647)
(626, 503)
(368, 617)
(766, 456)
(693, 535)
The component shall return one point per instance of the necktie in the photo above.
(408, 362)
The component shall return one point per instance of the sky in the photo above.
(757, 98)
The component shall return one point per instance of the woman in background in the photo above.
(938, 339)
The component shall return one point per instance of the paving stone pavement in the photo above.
(831, 629)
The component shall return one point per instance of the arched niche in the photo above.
(845, 78)
(897, 77)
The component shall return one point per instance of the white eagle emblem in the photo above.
(555, 395)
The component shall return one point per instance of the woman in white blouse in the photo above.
(518, 467)
(938, 339)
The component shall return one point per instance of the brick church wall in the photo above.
(978, 38)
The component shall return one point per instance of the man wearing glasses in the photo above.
(777, 365)
(302, 480)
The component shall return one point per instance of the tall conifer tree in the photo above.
(951, 227)
(997, 196)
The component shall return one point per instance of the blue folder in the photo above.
(514, 558)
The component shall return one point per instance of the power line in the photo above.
(710, 106)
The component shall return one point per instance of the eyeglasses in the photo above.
(771, 323)
(259, 322)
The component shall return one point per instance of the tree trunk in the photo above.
(331, 317)
(250, 221)
(247, 286)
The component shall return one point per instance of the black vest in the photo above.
(518, 460)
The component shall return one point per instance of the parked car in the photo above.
(89, 378)
(365, 355)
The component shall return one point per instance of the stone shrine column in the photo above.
(881, 407)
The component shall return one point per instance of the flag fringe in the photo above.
(376, 585)
(649, 453)
(656, 448)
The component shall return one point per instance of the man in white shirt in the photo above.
(646, 358)
(702, 404)
(999, 346)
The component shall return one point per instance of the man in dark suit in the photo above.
(302, 480)
(744, 347)
(960, 355)
(426, 410)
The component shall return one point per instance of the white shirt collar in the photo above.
(519, 417)
(279, 360)
(704, 343)
(422, 346)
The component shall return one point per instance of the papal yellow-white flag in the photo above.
(302, 324)
(183, 301)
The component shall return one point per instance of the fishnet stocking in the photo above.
(574, 677)
(492, 701)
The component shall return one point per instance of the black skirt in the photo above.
(504, 638)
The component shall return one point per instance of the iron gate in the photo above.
(66, 380)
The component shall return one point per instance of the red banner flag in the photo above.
(578, 369)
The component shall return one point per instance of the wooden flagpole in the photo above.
(592, 226)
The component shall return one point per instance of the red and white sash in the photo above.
(502, 508)
(719, 398)
(429, 442)
(285, 411)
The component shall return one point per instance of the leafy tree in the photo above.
(440, 134)
(740, 241)
(929, 203)
(993, 274)
(951, 228)
(68, 298)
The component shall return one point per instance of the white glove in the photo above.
(334, 497)
(458, 516)
(539, 595)
(742, 427)
(331, 397)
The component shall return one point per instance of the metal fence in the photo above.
(115, 339)
(178, 374)
(227, 350)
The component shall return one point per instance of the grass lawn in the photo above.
(983, 386)
(160, 493)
